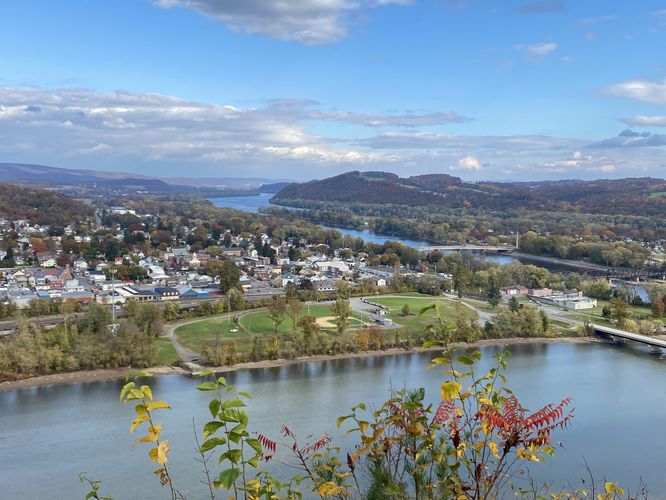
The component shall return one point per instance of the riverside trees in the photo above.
(84, 344)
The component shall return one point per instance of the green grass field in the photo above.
(414, 323)
(166, 355)
(195, 335)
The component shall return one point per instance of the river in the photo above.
(49, 435)
(256, 202)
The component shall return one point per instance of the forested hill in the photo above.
(634, 196)
(40, 206)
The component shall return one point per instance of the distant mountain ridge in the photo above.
(631, 196)
(45, 176)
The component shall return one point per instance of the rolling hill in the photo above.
(632, 196)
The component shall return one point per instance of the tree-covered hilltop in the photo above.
(40, 206)
(635, 196)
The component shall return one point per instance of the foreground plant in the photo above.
(468, 446)
(474, 444)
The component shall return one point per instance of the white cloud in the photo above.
(164, 135)
(311, 22)
(640, 90)
(536, 50)
(469, 162)
(645, 121)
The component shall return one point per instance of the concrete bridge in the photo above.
(469, 247)
(621, 335)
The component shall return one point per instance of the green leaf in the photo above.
(222, 381)
(234, 403)
(212, 443)
(234, 456)
(211, 428)
(206, 373)
(227, 478)
(254, 444)
(426, 309)
(254, 462)
(126, 388)
(207, 386)
(466, 360)
(245, 394)
(214, 407)
(476, 354)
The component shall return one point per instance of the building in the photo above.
(509, 292)
(167, 293)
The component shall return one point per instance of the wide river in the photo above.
(49, 435)
(254, 203)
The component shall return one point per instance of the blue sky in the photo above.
(511, 89)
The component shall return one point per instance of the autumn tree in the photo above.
(294, 310)
(277, 310)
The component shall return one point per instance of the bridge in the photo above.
(469, 247)
(616, 334)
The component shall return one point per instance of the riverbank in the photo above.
(118, 373)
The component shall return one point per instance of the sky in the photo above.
(303, 89)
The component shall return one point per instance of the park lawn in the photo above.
(195, 336)
(166, 355)
(413, 323)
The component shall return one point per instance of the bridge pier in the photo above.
(617, 340)
(655, 349)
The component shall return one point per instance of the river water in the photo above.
(49, 435)
(254, 203)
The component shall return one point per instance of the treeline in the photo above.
(40, 206)
(608, 197)
(88, 343)
(614, 254)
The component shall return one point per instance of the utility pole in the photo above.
(114, 326)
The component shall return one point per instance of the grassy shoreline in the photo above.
(118, 373)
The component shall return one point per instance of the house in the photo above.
(325, 285)
(539, 292)
(80, 265)
(97, 277)
(167, 293)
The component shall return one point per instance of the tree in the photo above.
(619, 311)
(514, 305)
(657, 306)
(277, 310)
(597, 289)
(147, 317)
(466, 329)
(229, 274)
(405, 310)
(341, 309)
(294, 310)
(257, 349)
(310, 328)
(462, 279)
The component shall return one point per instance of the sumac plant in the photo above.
(470, 445)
